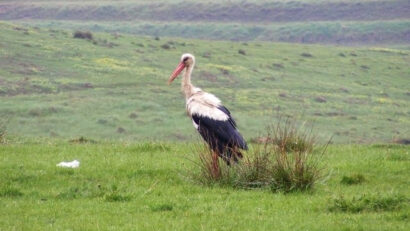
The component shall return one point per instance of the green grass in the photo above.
(353, 179)
(120, 185)
(369, 203)
(115, 87)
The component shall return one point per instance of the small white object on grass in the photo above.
(72, 164)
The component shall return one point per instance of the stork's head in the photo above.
(187, 60)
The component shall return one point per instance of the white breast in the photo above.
(206, 105)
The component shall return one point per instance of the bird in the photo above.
(211, 119)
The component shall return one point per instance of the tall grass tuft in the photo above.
(290, 137)
(287, 160)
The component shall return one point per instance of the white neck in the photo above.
(186, 86)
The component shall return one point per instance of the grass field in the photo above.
(114, 87)
(104, 101)
(147, 186)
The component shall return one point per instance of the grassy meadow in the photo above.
(128, 186)
(104, 100)
(114, 86)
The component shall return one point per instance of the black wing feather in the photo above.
(224, 131)
(228, 113)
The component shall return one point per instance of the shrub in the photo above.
(242, 52)
(286, 160)
(83, 35)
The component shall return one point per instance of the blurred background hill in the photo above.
(316, 21)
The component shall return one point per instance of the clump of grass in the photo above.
(150, 147)
(289, 137)
(370, 203)
(307, 55)
(208, 172)
(250, 173)
(116, 197)
(83, 35)
(398, 157)
(296, 157)
(320, 99)
(353, 179)
(82, 140)
(69, 194)
(294, 172)
(286, 161)
(121, 130)
(9, 191)
(166, 46)
(162, 208)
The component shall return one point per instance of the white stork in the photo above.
(212, 120)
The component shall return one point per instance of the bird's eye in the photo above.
(185, 59)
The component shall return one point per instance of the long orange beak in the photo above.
(176, 72)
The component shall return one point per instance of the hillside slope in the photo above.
(229, 11)
(321, 21)
(114, 86)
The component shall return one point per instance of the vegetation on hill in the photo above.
(113, 86)
(388, 33)
(301, 21)
(229, 11)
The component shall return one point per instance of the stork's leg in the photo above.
(215, 165)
